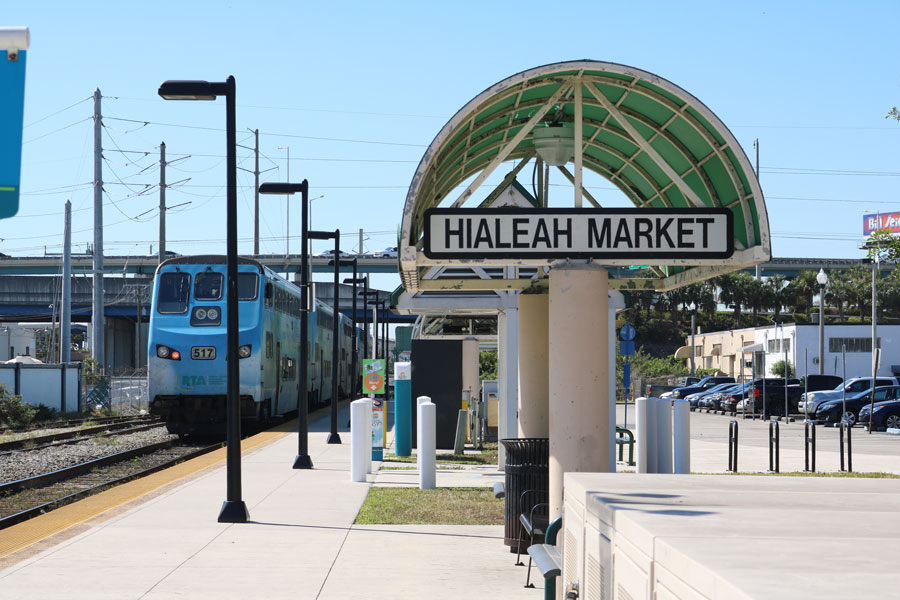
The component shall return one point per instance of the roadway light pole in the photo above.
(234, 510)
(822, 280)
(693, 309)
(302, 460)
(333, 437)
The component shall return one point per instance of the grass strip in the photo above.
(441, 506)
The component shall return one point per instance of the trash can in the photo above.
(527, 468)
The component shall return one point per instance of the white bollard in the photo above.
(682, 435)
(422, 399)
(664, 435)
(360, 439)
(641, 406)
(652, 437)
(426, 443)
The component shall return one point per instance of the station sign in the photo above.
(13, 41)
(699, 233)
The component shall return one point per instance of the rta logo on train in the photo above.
(579, 233)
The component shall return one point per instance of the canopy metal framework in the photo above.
(654, 141)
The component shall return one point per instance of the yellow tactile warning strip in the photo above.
(39, 528)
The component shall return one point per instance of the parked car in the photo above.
(696, 397)
(704, 384)
(774, 390)
(837, 410)
(810, 401)
(885, 416)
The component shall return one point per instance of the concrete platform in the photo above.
(300, 543)
(162, 540)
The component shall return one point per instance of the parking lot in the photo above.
(876, 452)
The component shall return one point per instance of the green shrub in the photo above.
(14, 412)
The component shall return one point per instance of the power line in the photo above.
(57, 112)
(40, 137)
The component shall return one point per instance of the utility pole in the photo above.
(287, 217)
(97, 329)
(65, 342)
(162, 201)
(256, 195)
(360, 251)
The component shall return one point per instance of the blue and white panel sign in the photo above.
(13, 43)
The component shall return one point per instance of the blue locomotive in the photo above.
(186, 352)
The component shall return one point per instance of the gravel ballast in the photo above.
(28, 463)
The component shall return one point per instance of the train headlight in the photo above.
(212, 314)
(200, 313)
(167, 353)
(244, 351)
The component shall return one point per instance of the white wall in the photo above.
(18, 338)
(806, 337)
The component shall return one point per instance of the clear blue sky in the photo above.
(359, 89)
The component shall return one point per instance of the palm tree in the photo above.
(838, 291)
(860, 288)
(734, 291)
(758, 297)
(803, 288)
(778, 293)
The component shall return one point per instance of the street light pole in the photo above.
(234, 510)
(693, 309)
(354, 368)
(333, 436)
(822, 280)
(303, 459)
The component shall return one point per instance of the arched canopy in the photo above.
(654, 141)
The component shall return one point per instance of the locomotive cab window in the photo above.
(248, 284)
(208, 286)
(174, 289)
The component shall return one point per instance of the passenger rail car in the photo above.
(187, 345)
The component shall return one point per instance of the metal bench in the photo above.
(533, 523)
(547, 558)
(626, 439)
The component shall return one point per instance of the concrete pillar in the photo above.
(579, 374)
(534, 382)
(507, 375)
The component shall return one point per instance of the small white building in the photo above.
(727, 351)
(16, 341)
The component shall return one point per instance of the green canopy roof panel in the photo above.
(651, 139)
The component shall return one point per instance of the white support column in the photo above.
(579, 374)
(508, 378)
(534, 383)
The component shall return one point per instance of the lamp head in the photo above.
(189, 89)
(282, 188)
(822, 278)
(693, 307)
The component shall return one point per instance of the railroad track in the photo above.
(27, 498)
(66, 423)
(118, 427)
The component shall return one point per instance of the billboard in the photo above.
(888, 221)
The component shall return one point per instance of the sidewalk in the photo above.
(301, 541)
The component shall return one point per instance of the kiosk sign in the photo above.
(373, 375)
(13, 41)
(651, 233)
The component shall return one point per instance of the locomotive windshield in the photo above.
(248, 286)
(208, 286)
(173, 293)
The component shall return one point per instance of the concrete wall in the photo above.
(43, 384)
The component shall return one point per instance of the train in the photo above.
(186, 366)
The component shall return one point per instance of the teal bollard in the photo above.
(402, 417)
(550, 538)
